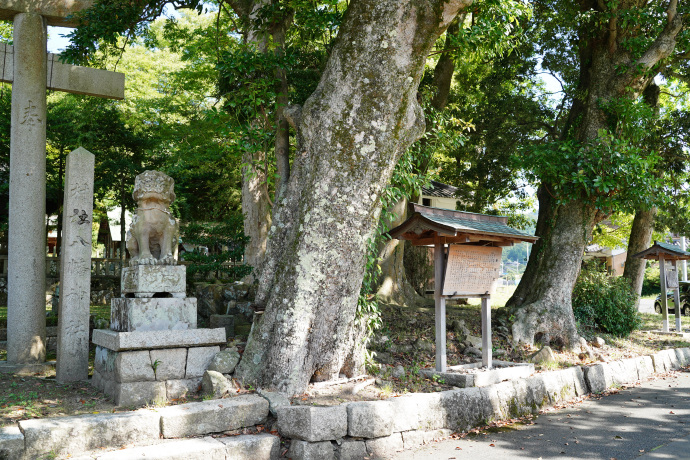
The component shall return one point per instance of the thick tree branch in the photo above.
(665, 43)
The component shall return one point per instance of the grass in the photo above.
(33, 397)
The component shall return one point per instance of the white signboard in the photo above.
(472, 270)
(671, 278)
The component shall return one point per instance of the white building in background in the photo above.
(613, 258)
(439, 195)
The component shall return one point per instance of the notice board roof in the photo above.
(426, 222)
(668, 251)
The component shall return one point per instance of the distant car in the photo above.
(684, 300)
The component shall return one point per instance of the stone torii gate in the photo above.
(32, 71)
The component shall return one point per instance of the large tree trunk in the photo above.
(256, 210)
(643, 223)
(544, 293)
(542, 301)
(640, 238)
(256, 202)
(350, 132)
(393, 283)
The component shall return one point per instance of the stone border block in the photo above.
(312, 424)
(184, 449)
(303, 450)
(623, 371)
(465, 408)
(598, 378)
(385, 447)
(370, 419)
(564, 384)
(213, 416)
(26, 369)
(351, 449)
(645, 367)
(83, 433)
(252, 447)
(11, 443)
(417, 438)
(683, 356)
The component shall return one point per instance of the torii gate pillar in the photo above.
(26, 66)
(27, 228)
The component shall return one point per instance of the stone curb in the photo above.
(380, 428)
(377, 428)
(243, 447)
(78, 435)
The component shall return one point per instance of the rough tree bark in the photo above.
(643, 223)
(351, 131)
(393, 283)
(640, 238)
(542, 302)
(256, 202)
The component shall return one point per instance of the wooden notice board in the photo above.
(471, 270)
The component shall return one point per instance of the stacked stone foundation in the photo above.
(153, 352)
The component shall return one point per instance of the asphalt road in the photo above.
(651, 421)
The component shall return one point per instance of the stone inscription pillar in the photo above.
(75, 269)
(26, 265)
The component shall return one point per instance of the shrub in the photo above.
(605, 303)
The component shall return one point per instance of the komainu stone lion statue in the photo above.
(153, 236)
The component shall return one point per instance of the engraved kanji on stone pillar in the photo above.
(75, 270)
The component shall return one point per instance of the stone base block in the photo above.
(176, 389)
(313, 424)
(137, 377)
(154, 314)
(466, 376)
(138, 393)
(226, 321)
(146, 280)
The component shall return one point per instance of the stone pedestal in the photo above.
(135, 368)
(152, 314)
(153, 351)
(147, 280)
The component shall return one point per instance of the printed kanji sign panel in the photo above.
(471, 270)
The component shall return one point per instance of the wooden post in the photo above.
(676, 297)
(440, 304)
(486, 333)
(664, 306)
